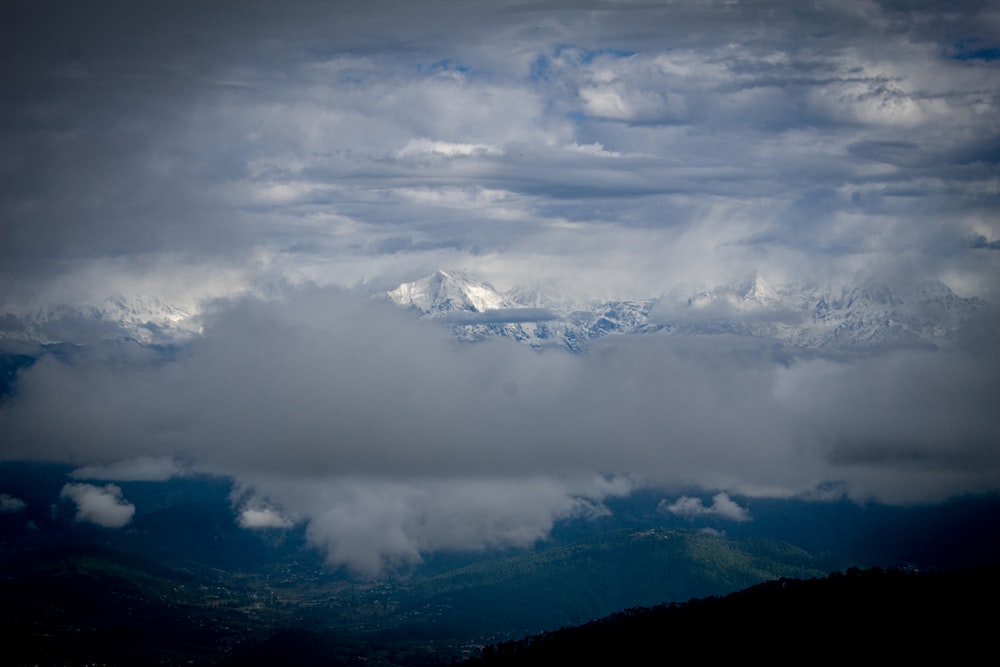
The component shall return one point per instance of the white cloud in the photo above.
(371, 524)
(9, 503)
(422, 146)
(596, 149)
(104, 506)
(722, 507)
(264, 517)
(606, 103)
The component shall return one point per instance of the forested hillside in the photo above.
(875, 614)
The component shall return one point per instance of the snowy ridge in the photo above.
(144, 319)
(855, 318)
(803, 317)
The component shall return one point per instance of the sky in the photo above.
(265, 164)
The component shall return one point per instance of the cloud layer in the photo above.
(591, 146)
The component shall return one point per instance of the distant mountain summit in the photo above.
(447, 292)
(750, 293)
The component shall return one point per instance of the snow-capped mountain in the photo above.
(806, 317)
(475, 311)
(802, 317)
(876, 316)
(448, 292)
(142, 318)
(751, 294)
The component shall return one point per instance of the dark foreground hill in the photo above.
(93, 606)
(871, 615)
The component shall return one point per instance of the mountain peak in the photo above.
(761, 291)
(448, 292)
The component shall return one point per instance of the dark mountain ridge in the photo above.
(876, 614)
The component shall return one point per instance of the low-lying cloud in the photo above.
(104, 506)
(499, 316)
(263, 517)
(722, 507)
(9, 503)
(374, 523)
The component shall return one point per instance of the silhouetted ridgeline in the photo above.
(870, 614)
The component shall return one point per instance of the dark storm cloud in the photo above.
(982, 242)
(278, 140)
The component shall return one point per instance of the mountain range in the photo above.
(857, 318)
(825, 319)
(184, 583)
(145, 319)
